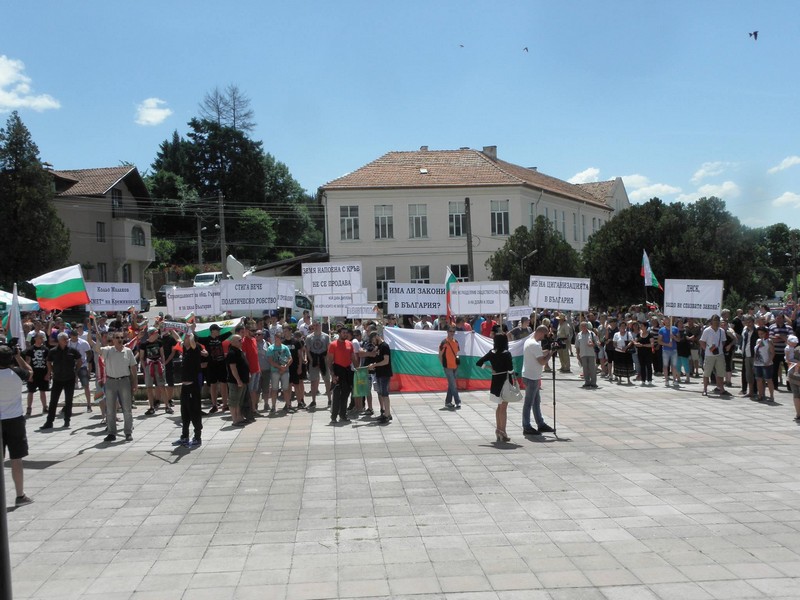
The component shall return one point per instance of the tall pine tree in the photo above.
(36, 240)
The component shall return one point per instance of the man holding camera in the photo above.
(713, 341)
(11, 416)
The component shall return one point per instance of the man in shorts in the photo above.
(82, 346)
(713, 342)
(12, 420)
(668, 337)
(36, 356)
(238, 377)
(316, 350)
(382, 367)
(280, 359)
(216, 371)
(151, 357)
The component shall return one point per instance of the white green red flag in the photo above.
(449, 280)
(647, 272)
(61, 289)
(416, 366)
(14, 325)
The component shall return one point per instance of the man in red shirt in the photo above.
(486, 327)
(340, 358)
(248, 332)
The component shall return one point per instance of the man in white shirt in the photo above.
(749, 338)
(713, 342)
(83, 347)
(533, 359)
(12, 419)
(121, 382)
(585, 343)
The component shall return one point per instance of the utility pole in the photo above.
(470, 262)
(199, 244)
(222, 250)
(794, 269)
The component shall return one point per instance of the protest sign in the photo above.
(416, 299)
(250, 295)
(335, 305)
(361, 311)
(696, 298)
(202, 301)
(331, 278)
(113, 296)
(285, 293)
(560, 293)
(479, 297)
(515, 313)
(176, 325)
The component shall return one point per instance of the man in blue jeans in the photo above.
(533, 359)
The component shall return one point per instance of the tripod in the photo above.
(553, 369)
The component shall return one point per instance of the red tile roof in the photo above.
(91, 182)
(453, 168)
(599, 189)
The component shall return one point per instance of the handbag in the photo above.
(511, 391)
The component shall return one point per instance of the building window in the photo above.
(383, 277)
(137, 236)
(499, 217)
(384, 222)
(594, 225)
(458, 219)
(102, 271)
(101, 231)
(575, 226)
(126, 273)
(461, 272)
(421, 274)
(348, 220)
(583, 227)
(563, 224)
(116, 203)
(417, 220)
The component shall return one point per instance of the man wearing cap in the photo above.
(62, 365)
(151, 357)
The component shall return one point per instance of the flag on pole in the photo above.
(61, 289)
(647, 273)
(449, 280)
(15, 321)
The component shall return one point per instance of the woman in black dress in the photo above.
(500, 360)
(644, 349)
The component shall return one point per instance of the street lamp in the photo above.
(522, 259)
(200, 231)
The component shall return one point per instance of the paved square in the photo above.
(647, 493)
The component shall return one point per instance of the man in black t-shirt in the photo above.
(191, 411)
(62, 363)
(151, 358)
(36, 357)
(382, 367)
(168, 343)
(238, 378)
(216, 372)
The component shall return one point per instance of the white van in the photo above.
(205, 279)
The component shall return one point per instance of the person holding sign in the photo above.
(713, 342)
(448, 355)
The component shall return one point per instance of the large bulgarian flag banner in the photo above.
(61, 289)
(417, 368)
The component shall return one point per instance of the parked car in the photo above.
(145, 304)
(161, 295)
(210, 278)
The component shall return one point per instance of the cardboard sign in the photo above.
(113, 296)
(479, 297)
(331, 278)
(176, 325)
(560, 293)
(515, 313)
(251, 294)
(416, 299)
(697, 298)
(361, 311)
(202, 301)
(335, 305)
(285, 293)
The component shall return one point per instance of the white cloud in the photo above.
(725, 190)
(709, 169)
(789, 199)
(152, 111)
(640, 187)
(15, 88)
(787, 162)
(587, 176)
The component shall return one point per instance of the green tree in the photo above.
(256, 240)
(165, 251)
(37, 240)
(538, 251)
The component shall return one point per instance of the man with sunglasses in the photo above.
(121, 383)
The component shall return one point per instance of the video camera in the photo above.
(552, 344)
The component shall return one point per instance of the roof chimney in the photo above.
(533, 168)
(490, 151)
(423, 148)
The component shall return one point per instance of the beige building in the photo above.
(403, 215)
(102, 208)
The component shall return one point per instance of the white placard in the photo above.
(361, 311)
(285, 293)
(202, 301)
(331, 278)
(113, 296)
(176, 325)
(335, 305)
(560, 293)
(697, 298)
(515, 313)
(479, 297)
(416, 299)
(251, 294)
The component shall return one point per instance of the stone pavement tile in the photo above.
(211, 593)
(363, 588)
(413, 585)
(259, 592)
(513, 581)
(312, 591)
(628, 592)
(556, 579)
(730, 589)
(204, 579)
(681, 591)
(705, 572)
(610, 577)
(773, 588)
(117, 583)
(575, 594)
(464, 583)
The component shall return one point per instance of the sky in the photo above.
(676, 98)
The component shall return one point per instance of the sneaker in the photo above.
(333, 419)
(181, 441)
(530, 431)
(194, 443)
(448, 405)
(369, 412)
(88, 409)
(28, 413)
(345, 420)
(797, 418)
(128, 437)
(458, 406)
(301, 404)
(725, 393)
(47, 425)
(312, 404)
(546, 429)
(168, 410)
(172, 403)
(21, 500)
(150, 411)
(109, 438)
(213, 409)
(383, 419)
(224, 408)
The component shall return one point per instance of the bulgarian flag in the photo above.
(203, 330)
(416, 366)
(449, 280)
(61, 289)
(647, 273)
